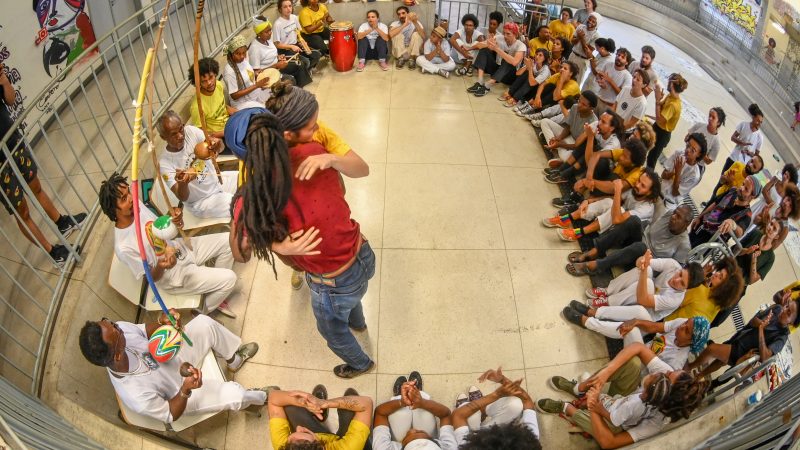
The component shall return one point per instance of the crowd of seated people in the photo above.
(588, 98)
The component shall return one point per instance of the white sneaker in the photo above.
(536, 123)
(225, 310)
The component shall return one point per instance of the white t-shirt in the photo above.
(605, 144)
(589, 37)
(651, 73)
(622, 78)
(450, 439)
(127, 249)
(258, 96)
(689, 177)
(428, 47)
(746, 134)
(667, 299)
(408, 30)
(663, 345)
(541, 74)
(262, 56)
(147, 394)
(206, 184)
(382, 439)
(629, 106)
(464, 41)
(372, 36)
(603, 64)
(712, 140)
(642, 209)
(285, 30)
(517, 46)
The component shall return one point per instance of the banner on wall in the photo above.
(744, 13)
(38, 40)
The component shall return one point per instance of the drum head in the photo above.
(273, 74)
(343, 25)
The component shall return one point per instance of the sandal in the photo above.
(578, 269)
(576, 257)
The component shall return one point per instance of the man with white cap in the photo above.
(583, 44)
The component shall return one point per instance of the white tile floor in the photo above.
(467, 279)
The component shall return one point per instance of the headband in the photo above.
(699, 334)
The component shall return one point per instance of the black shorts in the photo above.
(11, 185)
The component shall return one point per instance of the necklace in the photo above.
(149, 365)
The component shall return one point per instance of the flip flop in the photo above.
(578, 269)
(575, 257)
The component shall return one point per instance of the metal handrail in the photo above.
(738, 379)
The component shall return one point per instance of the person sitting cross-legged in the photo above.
(569, 136)
(158, 389)
(509, 50)
(435, 57)
(509, 403)
(372, 41)
(726, 213)
(463, 43)
(682, 171)
(305, 413)
(607, 212)
(407, 35)
(174, 268)
(666, 237)
(631, 410)
(639, 293)
(408, 419)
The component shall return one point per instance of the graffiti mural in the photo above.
(15, 77)
(65, 31)
(744, 13)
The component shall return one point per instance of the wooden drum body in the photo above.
(343, 46)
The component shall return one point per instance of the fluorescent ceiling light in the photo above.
(778, 27)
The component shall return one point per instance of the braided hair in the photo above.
(685, 395)
(109, 194)
(269, 184)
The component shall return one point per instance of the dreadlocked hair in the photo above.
(684, 397)
(269, 184)
(109, 194)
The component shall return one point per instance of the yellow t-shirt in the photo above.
(794, 288)
(569, 89)
(536, 43)
(632, 176)
(559, 29)
(671, 112)
(308, 16)
(354, 439)
(213, 108)
(696, 303)
(737, 171)
(330, 140)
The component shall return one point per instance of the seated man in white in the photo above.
(682, 171)
(650, 291)
(435, 57)
(174, 267)
(191, 177)
(158, 390)
(407, 35)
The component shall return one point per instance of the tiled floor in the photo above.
(467, 279)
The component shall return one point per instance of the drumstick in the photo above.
(293, 57)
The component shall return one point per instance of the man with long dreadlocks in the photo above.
(293, 204)
(630, 411)
(174, 268)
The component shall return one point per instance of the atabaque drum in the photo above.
(342, 46)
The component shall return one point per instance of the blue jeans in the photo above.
(337, 308)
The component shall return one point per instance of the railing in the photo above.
(83, 135)
(525, 12)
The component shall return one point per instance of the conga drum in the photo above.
(342, 46)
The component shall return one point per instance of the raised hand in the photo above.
(299, 243)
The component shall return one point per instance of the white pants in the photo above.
(215, 395)
(501, 412)
(553, 113)
(458, 57)
(622, 290)
(608, 328)
(219, 204)
(551, 129)
(601, 211)
(401, 50)
(406, 418)
(432, 67)
(192, 277)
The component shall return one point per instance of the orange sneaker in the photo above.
(557, 222)
(568, 234)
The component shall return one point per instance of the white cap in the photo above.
(422, 444)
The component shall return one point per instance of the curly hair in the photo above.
(701, 141)
(469, 17)
(316, 445)
(792, 170)
(793, 193)
(109, 194)
(511, 436)
(685, 395)
(655, 189)
(637, 150)
(720, 115)
(728, 292)
(92, 345)
(647, 133)
(206, 65)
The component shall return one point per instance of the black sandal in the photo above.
(578, 269)
(576, 257)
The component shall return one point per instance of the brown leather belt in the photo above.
(328, 279)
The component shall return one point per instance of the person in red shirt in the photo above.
(293, 205)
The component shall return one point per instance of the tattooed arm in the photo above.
(359, 404)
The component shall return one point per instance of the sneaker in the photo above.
(461, 400)
(596, 292)
(297, 279)
(510, 103)
(568, 234)
(443, 73)
(321, 392)
(557, 222)
(361, 66)
(474, 393)
(415, 376)
(67, 224)
(550, 406)
(554, 163)
(523, 108)
(383, 65)
(570, 199)
(461, 71)
(482, 90)
(536, 123)
(470, 72)
(582, 308)
(225, 309)
(536, 115)
(549, 170)
(348, 371)
(528, 116)
(572, 316)
(400, 63)
(350, 391)
(256, 409)
(474, 88)
(598, 302)
(555, 178)
(503, 97)
(412, 64)
(398, 385)
(59, 253)
(562, 384)
(245, 352)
